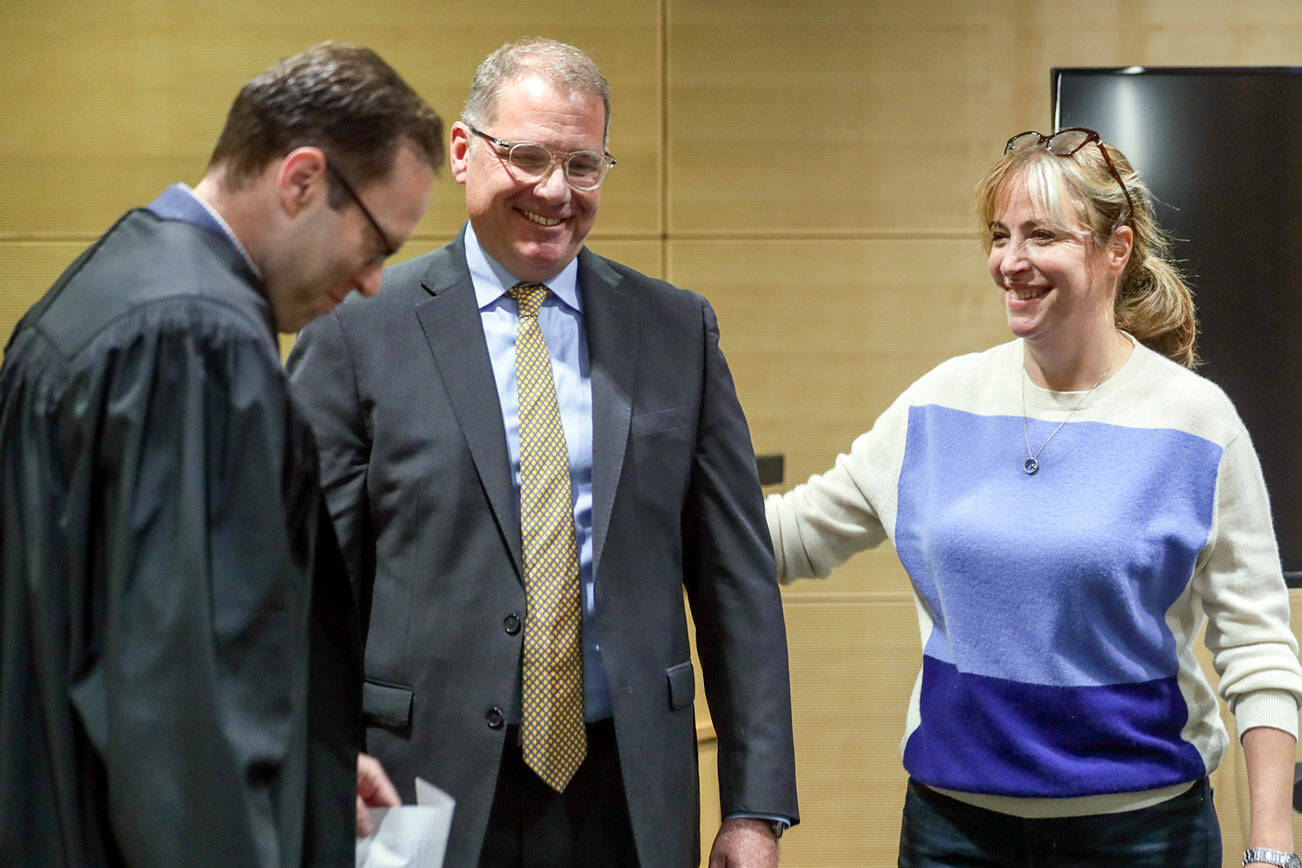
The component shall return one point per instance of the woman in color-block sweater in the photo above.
(1071, 506)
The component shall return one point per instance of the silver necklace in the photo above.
(1032, 462)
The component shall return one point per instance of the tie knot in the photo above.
(529, 296)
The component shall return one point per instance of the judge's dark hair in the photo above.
(1152, 301)
(341, 98)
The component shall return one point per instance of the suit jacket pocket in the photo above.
(387, 705)
(663, 420)
(682, 685)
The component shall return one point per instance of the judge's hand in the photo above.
(744, 843)
(374, 790)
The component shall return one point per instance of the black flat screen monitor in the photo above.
(1221, 150)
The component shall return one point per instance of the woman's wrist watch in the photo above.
(1267, 856)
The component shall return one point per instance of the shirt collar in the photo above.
(491, 279)
(226, 227)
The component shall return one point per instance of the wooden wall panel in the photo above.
(853, 662)
(834, 120)
(107, 102)
(853, 117)
(708, 759)
(809, 169)
(822, 335)
(647, 256)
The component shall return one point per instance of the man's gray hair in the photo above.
(561, 64)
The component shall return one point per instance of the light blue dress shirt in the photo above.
(561, 322)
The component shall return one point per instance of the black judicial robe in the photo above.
(179, 652)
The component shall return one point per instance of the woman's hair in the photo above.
(1152, 301)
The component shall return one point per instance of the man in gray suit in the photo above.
(540, 672)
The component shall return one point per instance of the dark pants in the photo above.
(533, 825)
(1181, 832)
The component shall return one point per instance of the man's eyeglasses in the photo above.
(389, 248)
(1066, 143)
(529, 162)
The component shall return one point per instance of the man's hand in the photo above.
(744, 843)
(374, 790)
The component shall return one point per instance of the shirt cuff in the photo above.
(771, 818)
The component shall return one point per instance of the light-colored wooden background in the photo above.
(808, 166)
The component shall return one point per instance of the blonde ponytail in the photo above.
(1155, 305)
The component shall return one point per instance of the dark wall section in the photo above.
(1221, 150)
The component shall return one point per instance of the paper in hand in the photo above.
(410, 836)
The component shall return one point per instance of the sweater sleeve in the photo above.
(1240, 582)
(851, 507)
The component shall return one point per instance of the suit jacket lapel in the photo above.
(611, 316)
(451, 322)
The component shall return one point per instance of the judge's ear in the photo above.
(301, 179)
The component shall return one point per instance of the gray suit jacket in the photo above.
(401, 393)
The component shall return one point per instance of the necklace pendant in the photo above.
(1030, 465)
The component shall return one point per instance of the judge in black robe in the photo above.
(180, 676)
(165, 561)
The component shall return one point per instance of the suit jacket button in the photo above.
(511, 623)
(494, 718)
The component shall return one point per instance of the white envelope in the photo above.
(410, 836)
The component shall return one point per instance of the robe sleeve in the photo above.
(196, 697)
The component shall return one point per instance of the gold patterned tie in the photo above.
(552, 736)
